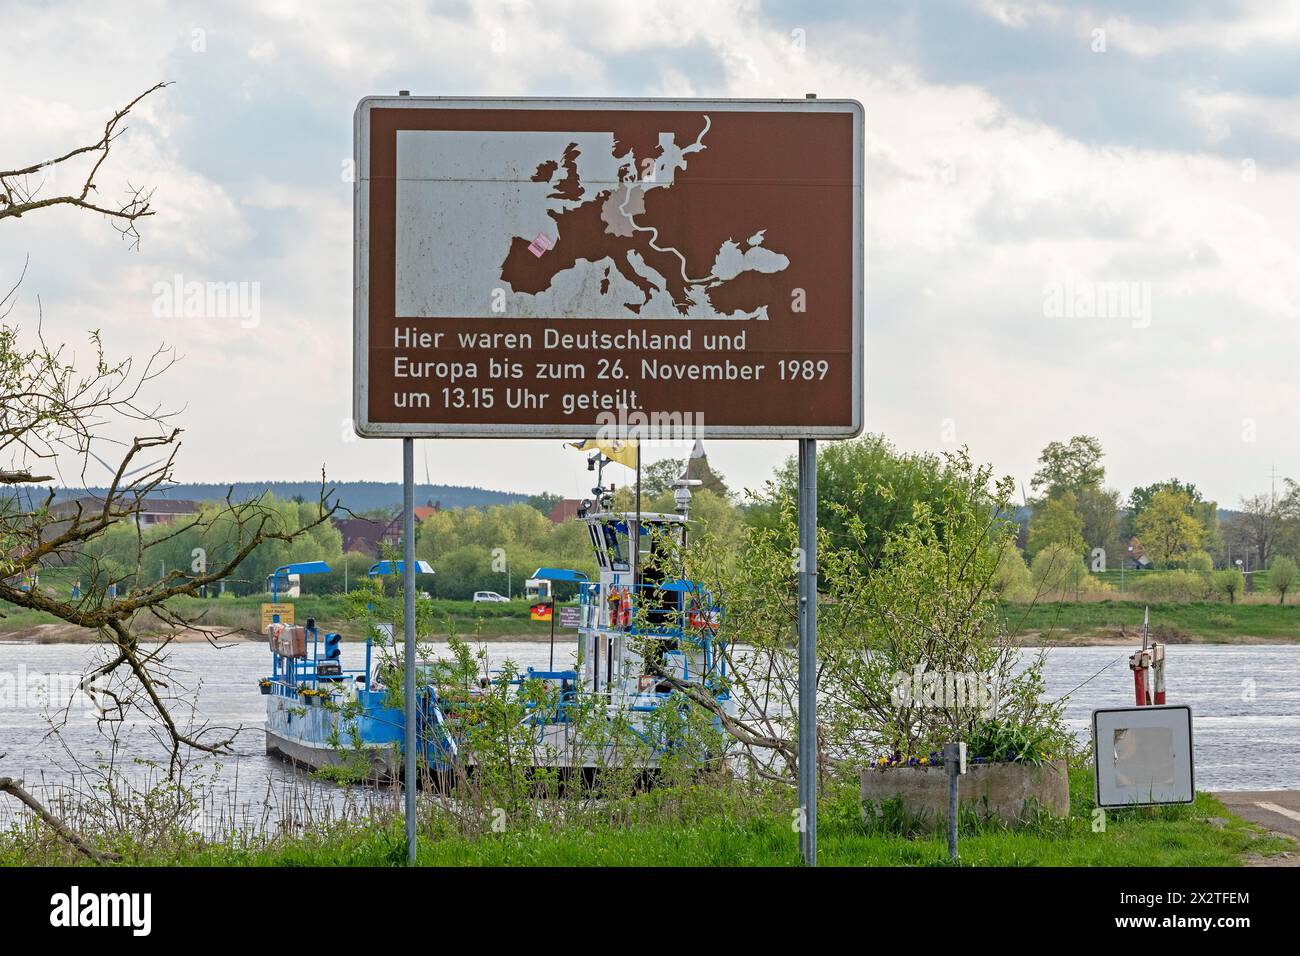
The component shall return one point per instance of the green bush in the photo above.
(1176, 586)
(998, 741)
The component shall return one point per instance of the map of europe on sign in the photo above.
(537, 267)
(564, 223)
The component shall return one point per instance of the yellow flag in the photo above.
(621, 450)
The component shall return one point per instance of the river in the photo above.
(1246, 702)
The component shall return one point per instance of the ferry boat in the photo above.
(639, 631)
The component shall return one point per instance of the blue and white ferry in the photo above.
(636, 624)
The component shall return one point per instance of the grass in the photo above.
(1212, 622)
(494, 620)
(706, 827)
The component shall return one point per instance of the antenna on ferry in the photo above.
(597, 463)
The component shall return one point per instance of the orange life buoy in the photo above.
(694, 617)
(625, 607)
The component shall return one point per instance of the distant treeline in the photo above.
(357, 496)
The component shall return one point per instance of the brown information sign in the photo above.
(539, 267)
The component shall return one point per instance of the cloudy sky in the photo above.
(1020, 157)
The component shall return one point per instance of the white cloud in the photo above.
(972, 207)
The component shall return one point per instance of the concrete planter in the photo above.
(1009, 791)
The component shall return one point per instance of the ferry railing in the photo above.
(672, 609)
(290, 674)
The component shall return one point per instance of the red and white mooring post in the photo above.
(1148, 667)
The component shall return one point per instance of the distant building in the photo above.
(1137, 555)
(369, 536)
(565, 510)
(146, 513)
(697, 469)
(360, 534)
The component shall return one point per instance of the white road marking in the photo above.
(1282, 811)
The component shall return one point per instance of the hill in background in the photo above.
(357, 496)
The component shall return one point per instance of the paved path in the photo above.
(1276, 810)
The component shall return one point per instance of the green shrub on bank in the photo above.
(1176, 586)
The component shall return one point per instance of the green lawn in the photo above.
(733, 831)
(1208, 621)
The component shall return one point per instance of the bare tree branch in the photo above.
(19, 195)
(15, 788)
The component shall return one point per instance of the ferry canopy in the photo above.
(681, 584)
(303, 567)
(559, 574)
(399, 567)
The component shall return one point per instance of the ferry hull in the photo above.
(317, 737)
(382, 761)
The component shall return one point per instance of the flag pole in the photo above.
(636, 538)
(552, 667)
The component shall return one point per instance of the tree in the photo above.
(1206, 512)
(1011, 581)
(1167, 530)
(1140, 497)
(21, 188)
(1282, 576)
(866, 478)
(1260, 523)
(1231, 582)
(544, 502)
(925, 611)
(1058, 569)
(658, 477)
(1056, 522)
(1071, 467)
(1099, 509)
(57, 420)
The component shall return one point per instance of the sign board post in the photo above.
(615, 268)
(408, 628)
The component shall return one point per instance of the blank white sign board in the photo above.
(1143, 755)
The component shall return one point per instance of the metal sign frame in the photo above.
(361, 265)
(1104, 786)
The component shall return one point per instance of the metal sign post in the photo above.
(808, 649)
(954, 761)
(408, 627)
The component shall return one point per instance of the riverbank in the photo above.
(1106, 623)
(708, 824)
(237, 619)
(1056, 623)
(64, 633)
